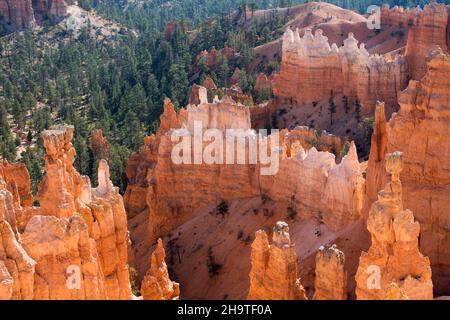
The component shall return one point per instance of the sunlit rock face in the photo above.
(331, 276)
(430, 28)
(16, 266)
(313, 70)
(306, 179)
(273, 275)
(157, 284)
(17, 182)
(393, 260)
(74, 246)
(421, 130)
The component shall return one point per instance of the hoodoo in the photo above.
(157, 284)
(274, 267)
(74, 246)
(393, 260)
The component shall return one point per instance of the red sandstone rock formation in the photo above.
(61, 246)
(274, 267)
(399, 16)
(74, 246)
(236, 77)
(57, 9)
(376, 169)
(24, 13)
(18, 13)
(199, 95)
(331, 277)
(236, 93)
(157, 284)
(165, 191)
(431, 28)
(211, 57)
(421, 131)
(16, 266)
(394, 258)
(17, 182)
(312, 70)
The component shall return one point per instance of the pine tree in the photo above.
(223, 71)
(346, 106)
(331, 109)
(358, 110)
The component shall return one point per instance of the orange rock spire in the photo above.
(74, 246)
(274, 267)
(157, 284)
(394, 258)
(331, 277)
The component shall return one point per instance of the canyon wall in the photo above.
(74, 245)
(393, 267)
(399, 16)
(430, 28)
(17, 268)
(273, 275)
(421, 130)
(312, 70)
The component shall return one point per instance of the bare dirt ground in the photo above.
(226, 241)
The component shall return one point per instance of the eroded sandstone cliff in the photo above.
(173, 192)
(18, 14)
(17, 268)
(74, 245)
(421, 130)
(313, 70)
(430, 28)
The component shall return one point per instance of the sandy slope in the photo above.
(230, 238)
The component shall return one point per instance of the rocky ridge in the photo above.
(312, 69)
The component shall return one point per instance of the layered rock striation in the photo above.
(421, 130)
(313, 70)
(308, 182)
(74, 246)
(17, 13)
(430, 28)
